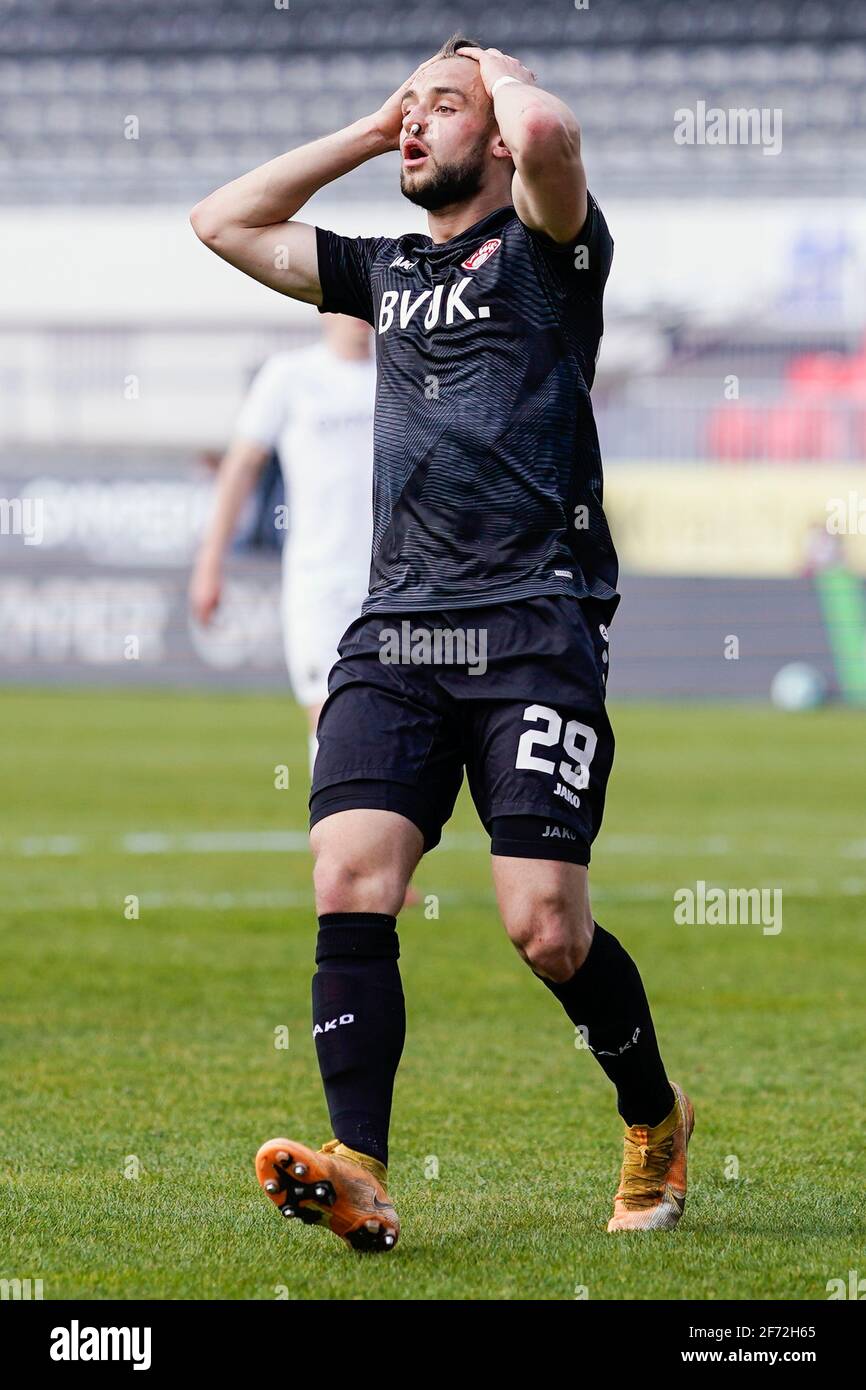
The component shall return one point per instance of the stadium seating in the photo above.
(213, 90)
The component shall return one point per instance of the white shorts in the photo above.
(313, 624)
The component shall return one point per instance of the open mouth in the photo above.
(414, 153)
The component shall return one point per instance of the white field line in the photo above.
(279, 899)
(296, 842)
(44, 846)
(219, 842)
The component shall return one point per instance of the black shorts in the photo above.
(514, 693)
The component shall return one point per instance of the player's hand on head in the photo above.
(390, 115)
(493, 64)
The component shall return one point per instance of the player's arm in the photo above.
(236, 478)
(549, 187)
(249, 222)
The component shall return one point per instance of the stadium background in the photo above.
(731, 402)
(731, 395)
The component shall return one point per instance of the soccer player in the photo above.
(314, 406)
(490, 543)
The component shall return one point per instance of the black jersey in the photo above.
(487, 478)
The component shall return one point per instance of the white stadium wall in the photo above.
(118, 327)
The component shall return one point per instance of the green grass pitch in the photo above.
(139, 1059)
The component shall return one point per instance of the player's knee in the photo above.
(346, 883)
(554, 956)
(551, 937)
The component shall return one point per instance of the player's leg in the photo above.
(540, 871)
(312, 629)
(308, 662)
(313, 713)
(539, 781)
(364, 860)
(546, 911)
(313, 623)
(386, 776)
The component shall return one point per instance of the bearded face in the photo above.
(438, 186)
(448, 135)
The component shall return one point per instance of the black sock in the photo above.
(359, 1024)
(606, 997)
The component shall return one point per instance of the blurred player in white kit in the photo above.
(314, 407)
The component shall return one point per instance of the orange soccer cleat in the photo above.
(334, 1187)
(652, 1184)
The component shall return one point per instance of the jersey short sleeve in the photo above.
(345, 267)
(264, 413)
(579, 267)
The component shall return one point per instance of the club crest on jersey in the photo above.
(484, 252)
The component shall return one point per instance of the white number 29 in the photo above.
(576, 774)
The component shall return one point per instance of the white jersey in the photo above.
(316, 411)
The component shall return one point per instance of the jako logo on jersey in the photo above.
(483, 254)
(558, 832)
(333, 1023)
(409, 306)
(571, 797)
(400, 263)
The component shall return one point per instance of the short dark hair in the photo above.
(451, 47)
